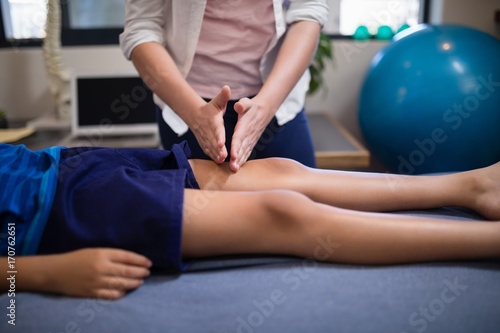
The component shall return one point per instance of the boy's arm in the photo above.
(100, 272)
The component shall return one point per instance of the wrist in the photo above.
(265, 107)
(34, 273)
(192, 113)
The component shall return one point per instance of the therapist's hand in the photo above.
(253, 118)
(208, 127)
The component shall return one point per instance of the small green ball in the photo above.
(362, 33)
(384, 32)
(403, 27)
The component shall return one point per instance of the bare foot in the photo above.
(487, 199)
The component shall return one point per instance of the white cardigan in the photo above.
(176, 24)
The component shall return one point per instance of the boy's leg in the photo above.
(478, 189)
(286, 222)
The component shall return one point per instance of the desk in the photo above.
(43, 139)
(335, 147)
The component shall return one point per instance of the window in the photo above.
(84, 22)
(96, 22)
(95, 14)
(347, 15)
(24, 19)
(92, 22)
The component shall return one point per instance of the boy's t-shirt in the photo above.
(28, 182)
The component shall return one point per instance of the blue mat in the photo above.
(285, 294)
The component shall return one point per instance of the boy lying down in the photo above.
(91, 222)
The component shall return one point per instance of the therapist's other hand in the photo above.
(209, 126)
(253, 118)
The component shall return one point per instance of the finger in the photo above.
(244, 158)
(109, 294)
(128, 271)
(121, 283)
(222, 98)
(240, 155)
(239, 158)
(220, 134)
(235, 149)
(130, 258)
(246, 148)
(207, 145)
(222, 155)
(234, 166)
(212, 151)
(243, 105)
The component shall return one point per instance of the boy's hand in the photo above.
(97, 272)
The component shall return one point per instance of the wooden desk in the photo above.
(335, 147)
(42, 139)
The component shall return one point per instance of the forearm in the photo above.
(293, 59)
(160, 73)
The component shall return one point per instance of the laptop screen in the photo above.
(113, 105)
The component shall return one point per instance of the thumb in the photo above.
(222, 98)
(242, 105)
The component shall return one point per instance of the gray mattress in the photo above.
(283, 294)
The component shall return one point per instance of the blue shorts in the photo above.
(130, 199)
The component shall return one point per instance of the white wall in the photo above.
(479, 14)
(24, 92)
(343, 80)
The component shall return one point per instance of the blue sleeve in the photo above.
(29, 181)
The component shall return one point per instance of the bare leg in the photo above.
(285, 222)
(478, 189)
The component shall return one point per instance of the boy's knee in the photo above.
(286, 166)
(287, 207)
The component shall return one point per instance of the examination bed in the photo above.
(285, 294)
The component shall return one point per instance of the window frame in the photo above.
(6, 43)
(79, 37)
(69, 36)
(425, 17)
(109, 36)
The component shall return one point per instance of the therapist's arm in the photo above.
(255, 114)
(159, 72)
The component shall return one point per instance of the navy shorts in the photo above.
(129, 199)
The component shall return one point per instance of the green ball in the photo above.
(384, 33)
(403, 27)
(362, 33)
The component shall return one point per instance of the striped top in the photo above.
(28, 181)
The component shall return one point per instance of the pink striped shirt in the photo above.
(235, 35)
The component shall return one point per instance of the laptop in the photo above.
(112, 111)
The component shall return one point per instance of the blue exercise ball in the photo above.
(431, 100)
